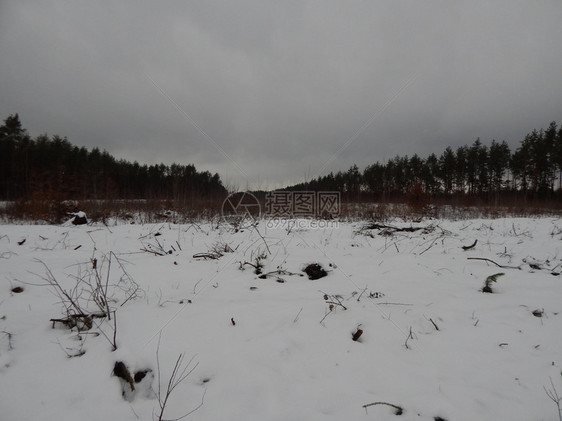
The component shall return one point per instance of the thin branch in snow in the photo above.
(360, 295)
(434, 324)
(552, 393)
(497, 264)
(399, 409)
(265, 242)
(180, 372)
(326, 315)
(297, 316)
(410, 336)
(9, 335)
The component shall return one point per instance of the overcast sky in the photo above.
(269, 93)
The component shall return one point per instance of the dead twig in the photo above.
(212, 256)
(114, 343)
(362, 292)
(331, 308)
(434, 324)
(156, 253)
(265, 242)
(9, 335)
(410, 336)
(337, 303)
(297, 316)
(78, 352)
(279, 272)
(554, 397)
(399, 409)
(497, 264)
(389, 229)
(216, 252)
(394, 304)
(334, 300)
(68, 298)
(431, 245)
(179, 373)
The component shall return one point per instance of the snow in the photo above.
(262, 349)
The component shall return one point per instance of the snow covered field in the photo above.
(280, 346)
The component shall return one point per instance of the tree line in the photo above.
(50, 167)
(489, 173)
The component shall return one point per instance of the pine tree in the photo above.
(447, 163)
(498, 164)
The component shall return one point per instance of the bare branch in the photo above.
(399, 409)
(265, 242)
(180, 372)
(434, 324)
(9, 335)
(497, 264)
(554, 397)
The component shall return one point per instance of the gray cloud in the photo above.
(280, 86)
